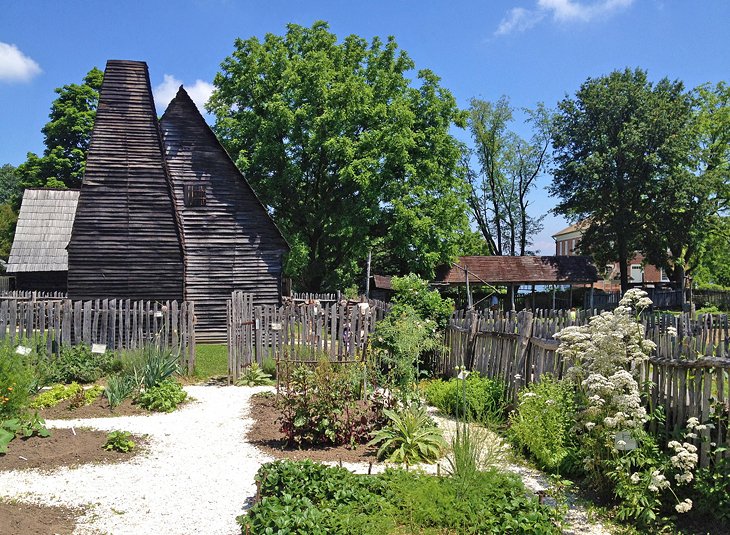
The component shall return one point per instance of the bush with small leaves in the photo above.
(119, 441)
(165, 397)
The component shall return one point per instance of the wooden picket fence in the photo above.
(118, 324)
(31, 295)
(688, 372)
(298, 332)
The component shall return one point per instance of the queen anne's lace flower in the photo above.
(683, 507)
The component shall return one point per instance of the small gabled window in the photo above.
(194, 195)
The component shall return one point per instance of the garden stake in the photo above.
(370, 467)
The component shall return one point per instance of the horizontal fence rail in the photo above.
(119, 324)
(298, 332)
(688, 371)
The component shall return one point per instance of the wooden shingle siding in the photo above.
(125, 241)
(231, 243)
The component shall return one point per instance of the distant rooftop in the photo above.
(520, 270)
(572, 228)
(43, 231)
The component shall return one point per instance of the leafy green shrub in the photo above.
(398, 342)
(409, 437)
(120, 387)
(55, 395)
(269, 366)
(119, 441)
(542, 423)
(322, 406)
(486, 399)
(25, 425)
(304, 497)
(78, 364)
(413, 291)
(254, 376)
(164, 397)
(713, 489)
(16, 381)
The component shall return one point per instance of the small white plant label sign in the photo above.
(275, 326)
(98, 348)
(624, 441)
(22, 350)
(158, 314)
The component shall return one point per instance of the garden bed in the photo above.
(100, 408)
(32, 519)
(266, 435)
(65, 447)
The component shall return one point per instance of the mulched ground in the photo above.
(63, 448)
(98, 409)
(265, 435)
(20, 518)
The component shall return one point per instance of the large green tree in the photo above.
(509, 167)
(347, 152)
(690, 215)
(66, 136)
(10, 188)
(616, 143)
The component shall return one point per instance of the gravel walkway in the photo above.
(194, 478)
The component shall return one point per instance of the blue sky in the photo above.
(529, 50)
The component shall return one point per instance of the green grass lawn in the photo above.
(211, 360)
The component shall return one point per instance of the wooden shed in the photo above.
(38, 258)
(231, 242)
(126, 240)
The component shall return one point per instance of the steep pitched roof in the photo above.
(521, 270)
(43, 231)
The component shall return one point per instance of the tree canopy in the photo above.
(617, 144)
(348, 154)
(66, 136)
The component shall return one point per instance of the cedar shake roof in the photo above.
(520, 270)
(43, 231)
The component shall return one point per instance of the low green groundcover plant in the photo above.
(486, 401)
(55, 395)
(254, 376)
(78, 364)
(26, 425)
(165, 397)
(305, 497)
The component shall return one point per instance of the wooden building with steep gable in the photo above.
(231, 242)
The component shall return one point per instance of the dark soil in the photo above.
(26, 519)
(63, 448)
(98, 409)
(265, 434)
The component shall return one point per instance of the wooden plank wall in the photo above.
(120, 324)
(231, 242)
(126, 241)
(297, 332)
(689, 371)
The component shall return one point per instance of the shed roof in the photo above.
(43, 231)
(520, 270)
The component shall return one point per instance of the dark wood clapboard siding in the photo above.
(126, 241)
(231, 243)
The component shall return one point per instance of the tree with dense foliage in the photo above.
(348, 154)
(8, 219)
(508, 169)
(689, 216)
(66, 136)
(616, 143)
(10, 188)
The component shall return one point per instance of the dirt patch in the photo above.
(30, 519)
(63, 448)
(265, 434)
(98, 409)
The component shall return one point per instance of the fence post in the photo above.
(524, 329)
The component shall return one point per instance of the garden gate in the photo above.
(301, 331)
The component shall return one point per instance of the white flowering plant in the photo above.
(607, 356)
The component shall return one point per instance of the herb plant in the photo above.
(55, 395)
(165, 397)
(119, 441)
(254, 376)
(410, 437)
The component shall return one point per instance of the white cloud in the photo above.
(16, 66)
(200, 92)
(519, 19)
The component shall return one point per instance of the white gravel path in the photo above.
(194, 478)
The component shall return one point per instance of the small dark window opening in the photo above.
(194, 195)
